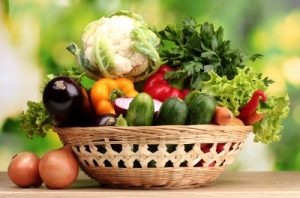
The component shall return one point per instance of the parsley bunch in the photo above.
(194, 50)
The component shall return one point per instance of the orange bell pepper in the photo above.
(106, 90)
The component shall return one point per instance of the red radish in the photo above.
(24, 170)
(121, 105)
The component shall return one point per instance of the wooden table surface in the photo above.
(229, 184)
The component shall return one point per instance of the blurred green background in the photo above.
(34, 34)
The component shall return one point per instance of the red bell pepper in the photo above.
(248, 112)
(159, 88)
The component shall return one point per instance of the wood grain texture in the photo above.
(229, 184)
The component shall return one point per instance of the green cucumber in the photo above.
(201, 109)
(140, 111)
(172, 112)
(190, 96)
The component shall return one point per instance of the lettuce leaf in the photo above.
(268, 129)
(235, 93)
(35, 121)
(121, 121)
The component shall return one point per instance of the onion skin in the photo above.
(24, 170)
(59, 168)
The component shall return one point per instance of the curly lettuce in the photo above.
(235, 93)
(35, 121)
(268, 129)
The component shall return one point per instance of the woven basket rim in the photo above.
(151, 134)
(164, 168)
(202, 126)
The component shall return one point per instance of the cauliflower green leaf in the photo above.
(146, 42)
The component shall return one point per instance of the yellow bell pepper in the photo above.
(105, 90)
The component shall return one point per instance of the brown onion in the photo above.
(23, 170)
(59, 168)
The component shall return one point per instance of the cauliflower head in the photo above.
(121, 45)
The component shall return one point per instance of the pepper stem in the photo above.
(115, 93)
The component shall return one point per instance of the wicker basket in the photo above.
(157, 156)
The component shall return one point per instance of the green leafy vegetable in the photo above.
(146, 42)
(236, 92)
(196, 50)
(35, 121)
(121, 121)
(268, 130)
(82, 62)
(79, 75)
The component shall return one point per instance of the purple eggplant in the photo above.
(67, 102)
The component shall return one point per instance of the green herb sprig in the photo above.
(195, 49)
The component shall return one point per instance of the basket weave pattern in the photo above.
(156, 156)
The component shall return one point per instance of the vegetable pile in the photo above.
(181, 75)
